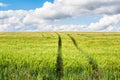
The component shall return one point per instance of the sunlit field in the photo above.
(84, 56)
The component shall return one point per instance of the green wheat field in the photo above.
(59, 56)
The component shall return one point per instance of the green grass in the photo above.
(33, 56)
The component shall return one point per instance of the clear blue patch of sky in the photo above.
(82, 20)
(118, 24)
(23, 4)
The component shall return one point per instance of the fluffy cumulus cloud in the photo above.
(105, 22)
(40, 19)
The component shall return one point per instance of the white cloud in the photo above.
(2, 4)
(105, 22)
(40, 18)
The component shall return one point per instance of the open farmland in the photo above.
(85, 56)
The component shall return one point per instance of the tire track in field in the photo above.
(92, 62)
(59, 61)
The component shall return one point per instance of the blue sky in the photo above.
(23, 4)
(57, 15)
